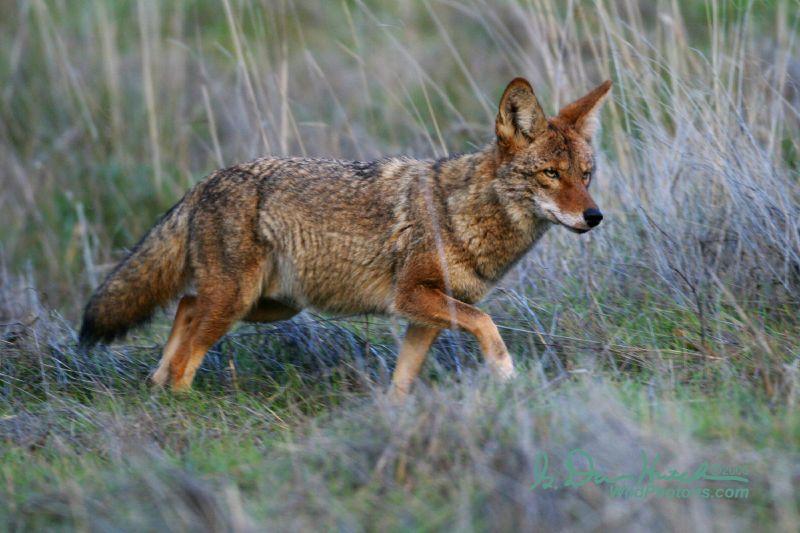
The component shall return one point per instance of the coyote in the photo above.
(420, 239)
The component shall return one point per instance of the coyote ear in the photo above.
(582, 114)
(520, 117)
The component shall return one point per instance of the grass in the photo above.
(461, 454)
(670, 330)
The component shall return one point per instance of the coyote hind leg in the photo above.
(218, 305)
(184, 316)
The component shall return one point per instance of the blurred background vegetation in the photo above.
(110, 110)
(672, 328)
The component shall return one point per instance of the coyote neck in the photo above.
(491, 239)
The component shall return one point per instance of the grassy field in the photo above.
(669, 334)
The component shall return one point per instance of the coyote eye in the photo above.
(551, 173)
(587, 175)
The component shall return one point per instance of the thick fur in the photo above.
(422, 239)
(152, 275)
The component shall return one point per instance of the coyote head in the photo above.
(546, 164)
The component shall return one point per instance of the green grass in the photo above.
(173, 459)
(310, 441)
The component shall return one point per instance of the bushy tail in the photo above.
(151, 276)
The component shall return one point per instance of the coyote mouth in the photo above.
(573, 229)
(576, 230)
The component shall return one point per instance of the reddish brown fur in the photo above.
(421, 239)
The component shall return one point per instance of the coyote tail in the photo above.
(152, 275)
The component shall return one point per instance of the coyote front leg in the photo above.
(415, 347)
(431, 306)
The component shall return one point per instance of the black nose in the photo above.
(592, 217)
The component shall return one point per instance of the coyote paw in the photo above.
(398, 395)
(160, 377)
(503, 369)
